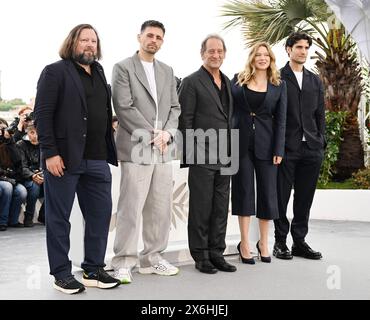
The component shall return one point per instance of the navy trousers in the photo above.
(92, 183)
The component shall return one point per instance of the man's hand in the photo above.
(37, 178)
(22, 122)
(277, 160)
(161, 140)
(55, 166)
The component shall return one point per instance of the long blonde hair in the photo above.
(273, 75)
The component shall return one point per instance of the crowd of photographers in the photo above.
(21, 179)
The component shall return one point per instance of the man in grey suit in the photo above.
(147, 107)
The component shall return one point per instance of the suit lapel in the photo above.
(102, 76)
(231, 105)
(160, 78)
(290, 76)
(77, 80)
(207, 83)
(140, 74)
(269, 94)
(305, 82)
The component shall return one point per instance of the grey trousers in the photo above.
(145, 194)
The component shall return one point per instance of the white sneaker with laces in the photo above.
(124, 275)
(163, 268)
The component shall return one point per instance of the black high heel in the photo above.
(263, 259)
(245, 260)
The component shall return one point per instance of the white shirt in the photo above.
(299, 76)
(150, 75)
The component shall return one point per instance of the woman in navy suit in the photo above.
(260, 114)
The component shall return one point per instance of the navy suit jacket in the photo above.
(306, 110)
(269, 121)
(61, 114)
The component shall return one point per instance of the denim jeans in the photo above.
(34, 192)
(11, 199)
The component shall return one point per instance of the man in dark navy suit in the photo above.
(304, 149)
(73, 118)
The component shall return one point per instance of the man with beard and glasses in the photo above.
(73, 116)
(147, 107)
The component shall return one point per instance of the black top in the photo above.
(255, 98)
(96, 100)
(222, 93)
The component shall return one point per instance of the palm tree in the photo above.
(337, 64)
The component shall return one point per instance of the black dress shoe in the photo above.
(222, 265)
(302, 249)
(3, 227)
(16, 225)
(281, 251)
(205, 266)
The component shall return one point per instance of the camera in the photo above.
(13, 126)
(29, 117)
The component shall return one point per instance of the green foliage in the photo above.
(334, 128)
(361, 179)
(344, 185)
(274, 20)
(10, 104)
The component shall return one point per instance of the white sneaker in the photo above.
(124, 275)
(163, 268)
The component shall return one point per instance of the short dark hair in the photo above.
(203, 46)
(70, 43)
(295, 37)
(152, 23)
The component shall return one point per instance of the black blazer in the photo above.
(201, 108)
(61, 114)
(269, 121)
(306, 110)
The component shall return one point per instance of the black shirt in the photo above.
(255, 98)
(97, 119)
(222, 93)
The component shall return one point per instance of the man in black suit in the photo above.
(304, 143)
(73, 117)
(206, 109)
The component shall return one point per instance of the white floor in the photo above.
(343, 273)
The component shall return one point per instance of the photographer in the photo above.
(18, 126)
(12, 193)
(32, 174)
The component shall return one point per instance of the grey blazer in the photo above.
(135, 107)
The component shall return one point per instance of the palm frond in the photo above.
(270, 21)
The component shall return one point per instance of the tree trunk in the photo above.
(351, 152)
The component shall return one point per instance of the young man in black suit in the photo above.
(74, 122)
(304, 149)
(206, 107)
